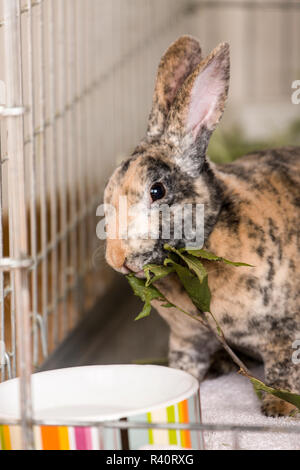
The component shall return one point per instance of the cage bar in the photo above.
(17, 207)
(79, 78)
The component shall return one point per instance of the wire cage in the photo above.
(75, 90)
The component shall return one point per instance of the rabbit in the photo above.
(251, 215)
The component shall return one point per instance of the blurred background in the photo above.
(84, 71)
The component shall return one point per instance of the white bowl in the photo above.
(99, 393)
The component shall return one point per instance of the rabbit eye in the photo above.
(157, 191)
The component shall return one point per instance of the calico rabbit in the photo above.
(251, 214)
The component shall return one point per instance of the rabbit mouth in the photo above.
(140, 274)
(126, 269)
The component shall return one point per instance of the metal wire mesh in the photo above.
(73, 128)
(63, 109)
(76, 90)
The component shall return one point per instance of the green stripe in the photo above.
(171, 419)
(150, 431)
(2, 438)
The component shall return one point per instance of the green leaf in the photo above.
(236, 263)
(145, 312)
(171, 248)
(139, 288)
(212, 257)
(193, 263)
(202, 254)
(285, 395)
(146, 294)
(199, 292)
(204, 296)
(258, 392)
(196, 266)
(158, 272)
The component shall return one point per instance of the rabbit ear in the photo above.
(199, 105)
(175, 66)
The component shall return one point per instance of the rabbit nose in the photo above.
(115, 253)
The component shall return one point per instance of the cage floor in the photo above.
(230, 399)
(109, 335)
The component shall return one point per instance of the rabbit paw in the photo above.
(273, 406)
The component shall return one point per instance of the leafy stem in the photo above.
(187, 265)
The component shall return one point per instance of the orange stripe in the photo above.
(185, 411)
(184, 418)
(50, 437)
(63, 438)
(7, 437)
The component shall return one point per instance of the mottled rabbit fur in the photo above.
(251, 215)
